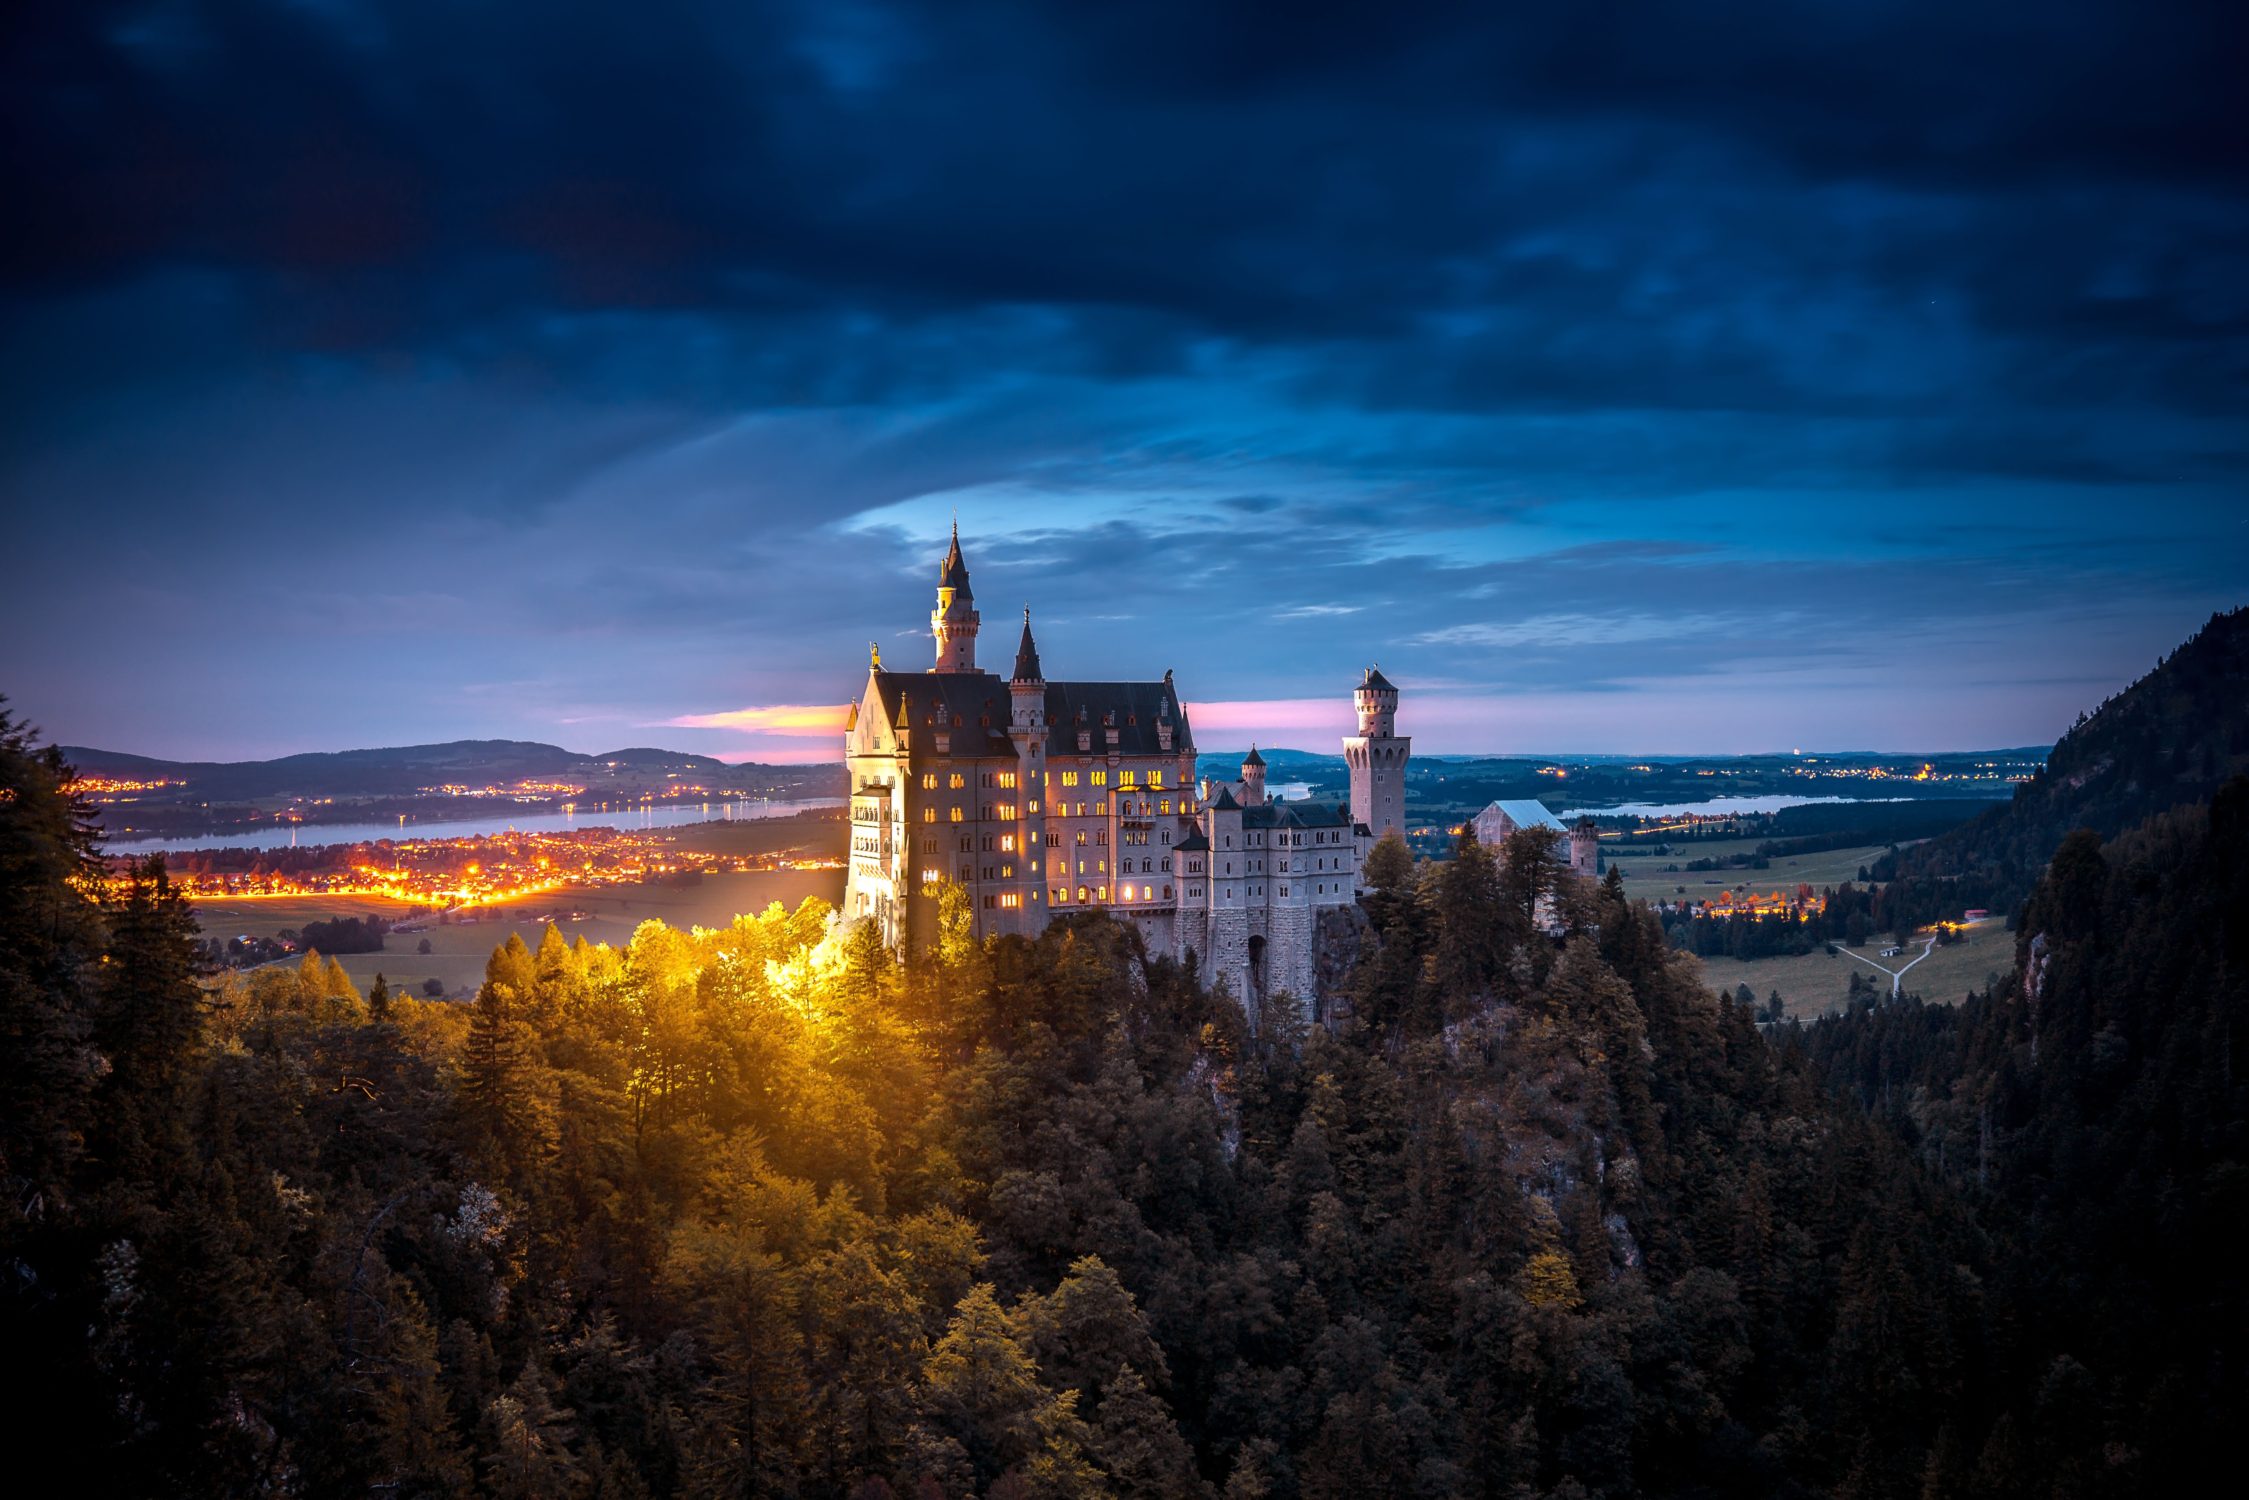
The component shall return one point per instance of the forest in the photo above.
(761, 1211)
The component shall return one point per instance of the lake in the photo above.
(1715, 807)
(636, 816)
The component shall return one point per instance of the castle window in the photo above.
(1167, 893)
(1156, 778)
(1007, 812)
(929, 815)
(957, 781)
(929, 781)
(1011, 899)
(1100, 893)
(1007, 781)
(1167, 864)
(931, 877)
(957, 815)
(1165, 807)
(1069, 778)
(1100, 778)
(1007, 843)
(1061, 895)
(1081, 838)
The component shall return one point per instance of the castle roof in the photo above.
(1224, 801)
(1027, 653)
(1296, 815)
(1133, 709)
(1253, 759)
(1193, 843)
(1527, 814)
(974, 708)
(954, 573)
(1376, 680)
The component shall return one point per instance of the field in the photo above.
(458, 949)
(1645, 877)
(1817, 983)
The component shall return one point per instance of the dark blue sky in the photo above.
(1643, 377)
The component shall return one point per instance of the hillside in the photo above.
(2171, 738)
(161, 798)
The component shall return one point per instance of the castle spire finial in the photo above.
(874, 657)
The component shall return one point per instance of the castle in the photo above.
(1041, 798)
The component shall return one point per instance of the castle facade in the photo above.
(1042, 798)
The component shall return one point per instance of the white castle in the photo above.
(1043, 798)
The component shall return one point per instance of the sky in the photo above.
(1639, 378)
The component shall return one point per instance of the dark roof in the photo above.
(1135, 709)
(954, 573)
(973, 706)
(1224, 801)
(1297, 815)
(1252, 759)
(977, 706)
(1027, 654)
(1192, 843)
(1375, 679)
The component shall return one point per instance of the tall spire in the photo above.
(953, 623)
(1027, 653)
(954, 573)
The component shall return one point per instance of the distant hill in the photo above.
(402, 769)
(2172, 737)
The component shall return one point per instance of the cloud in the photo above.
(790, 720)
(1545, 358)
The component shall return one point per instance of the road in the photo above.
(1897, 975)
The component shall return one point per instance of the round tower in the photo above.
(1253, 778)
(1377, 702)
(954, 622)
(1377, 756)
(1585, 848)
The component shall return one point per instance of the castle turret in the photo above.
(954, 622)
(1585, 848)
(1253, 778)
(1377, 755)
(1026, 688)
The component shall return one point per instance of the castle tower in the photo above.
(1377, 755)
(1585, 848)
(954, 622)
(1253, 779)
(1026, 731)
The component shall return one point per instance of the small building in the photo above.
(1975, 914)
(1501, 818)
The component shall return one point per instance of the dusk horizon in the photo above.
(1613, 395)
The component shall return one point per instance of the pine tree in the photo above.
(526, 1452)
(149, 1026)
(982, 1387)
(1137, 1443)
